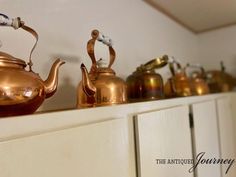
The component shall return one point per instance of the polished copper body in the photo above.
(100, 86)
(179, 85)
(145, 84)
(22, 91)
(220, 81)
(198, 83)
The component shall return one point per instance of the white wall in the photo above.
(140, 33)
(219, 45)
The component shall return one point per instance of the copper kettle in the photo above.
(220, 80)
(100, 86)
(198, 81)
(22, 91)
(145, 84)
(179, 85)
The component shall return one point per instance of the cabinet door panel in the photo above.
(226, 129)
(96, 150)
(163, 134)
(206, 136)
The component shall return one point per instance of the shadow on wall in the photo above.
(66, 94)
(64, 98)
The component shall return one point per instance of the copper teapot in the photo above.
(220, 80)
(179, 85)
(100, 86)
(198, 81)
(22, 91)
(145, 84)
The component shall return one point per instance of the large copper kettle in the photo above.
(198, 81)
(179, 85)
(100, 86)
(145, 84)
(220, 80)
(22, 91)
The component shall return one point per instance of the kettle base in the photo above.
(19, 109)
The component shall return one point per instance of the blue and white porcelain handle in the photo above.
(104, 39)
(6, 21)
(98, 36)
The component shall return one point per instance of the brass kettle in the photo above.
(100, 86)
(144, 83)
(198, 82)
(22, 91)
(220, 80)
(179, 85)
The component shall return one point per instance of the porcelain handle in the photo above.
(97, 36)
(105, 39)
(6, 21)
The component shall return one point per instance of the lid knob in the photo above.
(101, 63)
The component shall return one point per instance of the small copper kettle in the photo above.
(21, 91)
(145, 84)
(179, 85)
(220, 80)
(198, 82)
(100, 86)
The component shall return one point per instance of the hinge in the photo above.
(191, 122)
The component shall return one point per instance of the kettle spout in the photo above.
(51, 83)
(87, 85)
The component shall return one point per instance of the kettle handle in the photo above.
(172, 87)
(198, 66)
(222, 66)
(171, 67)
(97, 36)
(16, 23)
(35, 34)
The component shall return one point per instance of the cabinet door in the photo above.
(206, 137)
(163, 134)
(226, 129)
(233, 107)
(103, 149)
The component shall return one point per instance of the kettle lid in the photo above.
(103, 68)
(6, 58)
(156, 63)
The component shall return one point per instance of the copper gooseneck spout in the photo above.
(88, 86)
(52, 81)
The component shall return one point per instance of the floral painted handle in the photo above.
(17, 23)
(6, 21)
(104, 39)
(98, 36)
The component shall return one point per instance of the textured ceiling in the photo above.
(199, 15)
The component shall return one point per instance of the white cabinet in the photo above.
(163, 134)
(95, 143)
(233, 107)
(226, 130)
(205, 137)
(104, 149)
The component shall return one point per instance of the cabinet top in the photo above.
(29, 125)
